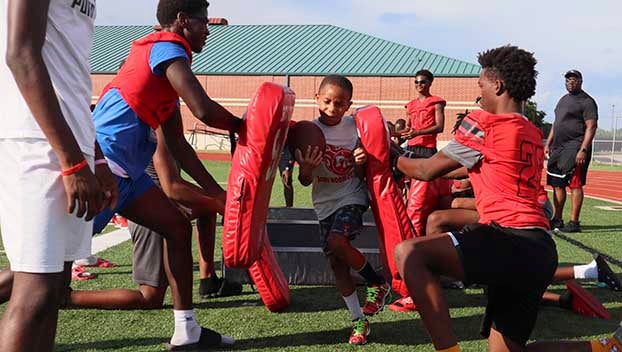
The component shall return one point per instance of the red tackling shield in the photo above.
(386, 197)
(254, 164)
(270, 281)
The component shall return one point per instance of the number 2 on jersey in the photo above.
(529, 175)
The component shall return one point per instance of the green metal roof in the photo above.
(310, 50)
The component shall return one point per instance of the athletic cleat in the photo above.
(118, 221)
(403, 305)
(376, 297)
(359, 332)
(556, 224)
(606, 275)
(571, 227)
(584, 303)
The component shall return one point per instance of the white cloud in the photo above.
(563, 35)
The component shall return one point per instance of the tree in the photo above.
(537, 117)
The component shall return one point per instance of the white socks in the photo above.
(587, 271)
(187, 330)
(352, 302)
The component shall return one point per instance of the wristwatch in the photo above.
(583, 150)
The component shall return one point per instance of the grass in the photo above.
(605, 167)
(317, 319)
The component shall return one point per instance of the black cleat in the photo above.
(606, 275)
(571, 226)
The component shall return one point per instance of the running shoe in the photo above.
(360, 330)
(376, 297)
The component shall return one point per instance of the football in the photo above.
(304, 134)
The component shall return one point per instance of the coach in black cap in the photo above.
(569, 147)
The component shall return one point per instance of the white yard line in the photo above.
(594, 197)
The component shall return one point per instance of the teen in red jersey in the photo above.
(510, 249)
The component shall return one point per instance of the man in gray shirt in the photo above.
(569, 148)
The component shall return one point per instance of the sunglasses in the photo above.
(423, 81)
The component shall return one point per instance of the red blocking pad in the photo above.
(253, 167)
(269, 279)
(585, 303)
(386, 200)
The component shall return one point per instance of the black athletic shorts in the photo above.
(418, 152)
(517, 265)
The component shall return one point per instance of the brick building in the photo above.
(238, 58)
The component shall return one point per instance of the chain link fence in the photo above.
(607, 151)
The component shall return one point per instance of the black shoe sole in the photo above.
(606, 275)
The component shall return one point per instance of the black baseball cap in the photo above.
(575, 73)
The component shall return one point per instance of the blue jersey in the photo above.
(124, 139)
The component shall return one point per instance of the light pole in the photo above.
(615, 127)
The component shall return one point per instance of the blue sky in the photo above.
(563, 35)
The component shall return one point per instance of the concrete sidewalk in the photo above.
(107, 240)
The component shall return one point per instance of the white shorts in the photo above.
(37, 233)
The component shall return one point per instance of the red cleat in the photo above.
(79, 274)
(102, 263)
(120, 221)
(403, 305)
(585, 303)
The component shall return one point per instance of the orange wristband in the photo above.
(72, 170)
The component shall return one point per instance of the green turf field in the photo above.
(317, 319)
(605, 167)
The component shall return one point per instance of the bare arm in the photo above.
(180, 190)
(457, 173)
(439, 124)
(211, 113)
(172, 132)
(549, 140)
(26, 34)
(106, 180)
(439, 121)
(27, 23)
(427, 169)
(360, 159)
(590, 131)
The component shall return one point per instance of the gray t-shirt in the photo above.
(571, 112)
(334, 183)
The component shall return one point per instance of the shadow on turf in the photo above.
(110, 345)
(326, 298)
(552, 325)
(598, 228)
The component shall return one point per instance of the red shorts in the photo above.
(577, 180)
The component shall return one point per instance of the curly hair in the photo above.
(339, 81)
(168, 9)
(514, 67)
(426, 73)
